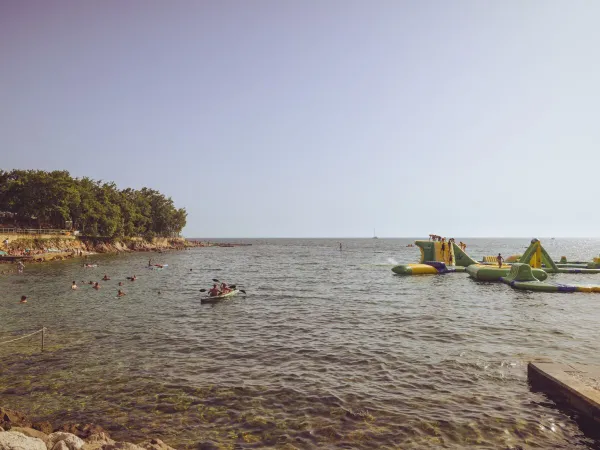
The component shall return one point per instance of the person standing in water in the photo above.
(340, 246)
(500, 259)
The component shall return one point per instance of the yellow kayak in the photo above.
(218, 298)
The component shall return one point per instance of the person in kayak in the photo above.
(214, 291)
(224, 288)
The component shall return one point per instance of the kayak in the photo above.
(218, 298)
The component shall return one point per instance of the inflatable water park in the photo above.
(528, 271)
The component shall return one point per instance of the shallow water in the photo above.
(329, 349)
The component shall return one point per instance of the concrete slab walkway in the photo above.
(578, 385)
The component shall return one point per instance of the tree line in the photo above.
(95, 208)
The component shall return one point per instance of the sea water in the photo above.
(328, 348)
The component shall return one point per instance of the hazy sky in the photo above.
(317, 118)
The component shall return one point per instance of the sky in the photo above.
(317, 118)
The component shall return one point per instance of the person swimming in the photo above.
(23, 299)
(120, 293)
(96, 285)
(105, 278)
(74, 286)
(120, 283)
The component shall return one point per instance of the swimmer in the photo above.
(23, 299)
(74, 286)
(120, 293)
(105, 278)
(96, 285)
(120, 283)
(91, 282)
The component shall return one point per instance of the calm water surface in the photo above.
(329, 349)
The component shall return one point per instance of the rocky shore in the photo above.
(39, 249)
(18, 432)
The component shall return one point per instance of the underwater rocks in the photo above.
(18, 432)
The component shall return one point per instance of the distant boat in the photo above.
(374, 235)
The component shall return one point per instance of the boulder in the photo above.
(97, 441)
(44, 427)
(13, 440)
(207, 445)
(60, 445)
(155, 444)
(121, 446)
(83, 431)
(32, 433)
(10, 418)
(71, 441)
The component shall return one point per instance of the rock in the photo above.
(207, 445)
(10, 418)
(60, 445)
(44, 427)
(32, 433)
(71, 441)
(96, 441)
(83, 431)
(13, 440)
(121, 446)
(155, 444)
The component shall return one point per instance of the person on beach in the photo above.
(499, 258)
(23, 299)
(96, 285)
(120, 293)
(20, 267)
(105, 278)
(214, 291)
(74, 286)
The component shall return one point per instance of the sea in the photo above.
(327, 349)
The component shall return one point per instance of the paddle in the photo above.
(215, 280)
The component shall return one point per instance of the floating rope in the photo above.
(23, 337)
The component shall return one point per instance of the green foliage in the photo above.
(51, 199)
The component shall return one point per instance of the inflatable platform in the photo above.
(522, 277)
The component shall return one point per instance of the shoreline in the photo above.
(42, 248)
(17, 430)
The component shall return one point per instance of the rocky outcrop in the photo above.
(69, 441)
(17, 432)
(13, 440)
(10, 418)
(32, 433)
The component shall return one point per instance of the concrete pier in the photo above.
(577, 385)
